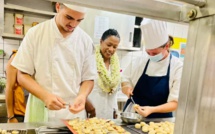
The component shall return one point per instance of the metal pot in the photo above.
(131, 118)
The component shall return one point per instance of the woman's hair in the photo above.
(110, 32)
(171, 40)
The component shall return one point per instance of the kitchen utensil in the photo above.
(131, 118)
(132, 100)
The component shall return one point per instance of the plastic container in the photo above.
(18, 29)
(18, 19)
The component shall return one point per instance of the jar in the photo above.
(18, 29)
(18, 19)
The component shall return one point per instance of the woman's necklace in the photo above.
(107, 82)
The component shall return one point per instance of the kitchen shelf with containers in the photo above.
(19, 28)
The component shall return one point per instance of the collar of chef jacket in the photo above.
(158, 68)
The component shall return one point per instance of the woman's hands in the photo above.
(144, 111)
(127, 89)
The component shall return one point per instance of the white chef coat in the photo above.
(102, 101)
(135, 69)
(58, 64)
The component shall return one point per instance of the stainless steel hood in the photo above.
(143, 8)
(171, 10)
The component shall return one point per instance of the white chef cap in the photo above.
(76, 8)
(154, 33)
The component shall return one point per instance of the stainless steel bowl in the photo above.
(129, 117)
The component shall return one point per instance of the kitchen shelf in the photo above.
(21, 8)
(129, 48)
(12, 36)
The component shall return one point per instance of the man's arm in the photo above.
(11, 74)
(80, 100)
(51, 101)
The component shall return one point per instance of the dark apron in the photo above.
(152, 91)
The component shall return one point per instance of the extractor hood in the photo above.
(169, 10)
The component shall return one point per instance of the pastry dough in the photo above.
(137, 126)
(96, 126)
(156, 128)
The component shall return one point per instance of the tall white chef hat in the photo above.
(154, 33)
(76, 8)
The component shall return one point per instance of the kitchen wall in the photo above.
(176, 30)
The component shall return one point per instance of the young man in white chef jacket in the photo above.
(154, 80)
(59, 55)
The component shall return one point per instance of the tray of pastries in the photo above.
(94, 126)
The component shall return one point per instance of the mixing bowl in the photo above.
(130, 118)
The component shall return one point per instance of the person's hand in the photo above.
(13, 120)
(54, 102)
(91, 111)
(144, 111)
(127, 90)
(78, 105)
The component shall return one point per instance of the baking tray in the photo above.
(139, 131)
(68, 126)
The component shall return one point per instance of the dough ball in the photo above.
(136, 106)
(142, 123)
(138, 126)
(152, 132)
(145, 129)
(15, 132)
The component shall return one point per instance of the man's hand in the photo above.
(144, 111)
(78, 105)
(91, 111)
(13, 120)
(54, 102)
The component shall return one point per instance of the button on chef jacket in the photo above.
(135, 69)
(58, 64)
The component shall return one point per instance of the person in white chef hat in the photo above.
(56, 65)
(156, 77)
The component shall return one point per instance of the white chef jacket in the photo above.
(135, 69)
(58, 64)
(102, 101)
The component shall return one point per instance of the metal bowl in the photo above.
(131, 118)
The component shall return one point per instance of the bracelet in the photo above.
(9, 118)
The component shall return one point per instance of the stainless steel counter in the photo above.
(51, 127)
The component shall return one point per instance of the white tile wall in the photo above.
(1, 40)
(8, 48)
(1, 68)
